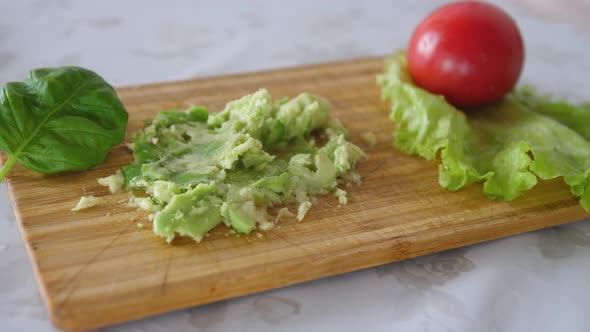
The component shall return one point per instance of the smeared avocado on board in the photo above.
(196, 169)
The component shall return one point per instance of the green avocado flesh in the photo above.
(195, 169)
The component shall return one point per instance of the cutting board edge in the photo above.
(43, 290)
(241, 74)
(80, 323)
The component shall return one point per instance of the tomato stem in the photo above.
(7, 166)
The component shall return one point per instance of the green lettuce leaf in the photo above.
(508, 145)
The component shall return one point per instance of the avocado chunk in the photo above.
(193, 214)
(241, 216)
(195, 169)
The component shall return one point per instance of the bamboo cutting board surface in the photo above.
(96, 267)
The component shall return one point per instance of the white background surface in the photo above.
(538, 281)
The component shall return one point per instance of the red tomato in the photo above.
(470, 52)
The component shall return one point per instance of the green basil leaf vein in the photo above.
(59, 119)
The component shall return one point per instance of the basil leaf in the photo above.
(59, 119)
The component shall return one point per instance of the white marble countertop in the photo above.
(538, 281)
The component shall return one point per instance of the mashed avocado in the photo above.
(194, 169)
(87, 202)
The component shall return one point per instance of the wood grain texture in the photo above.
(96, 267)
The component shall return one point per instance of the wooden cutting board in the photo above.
(96, 267)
